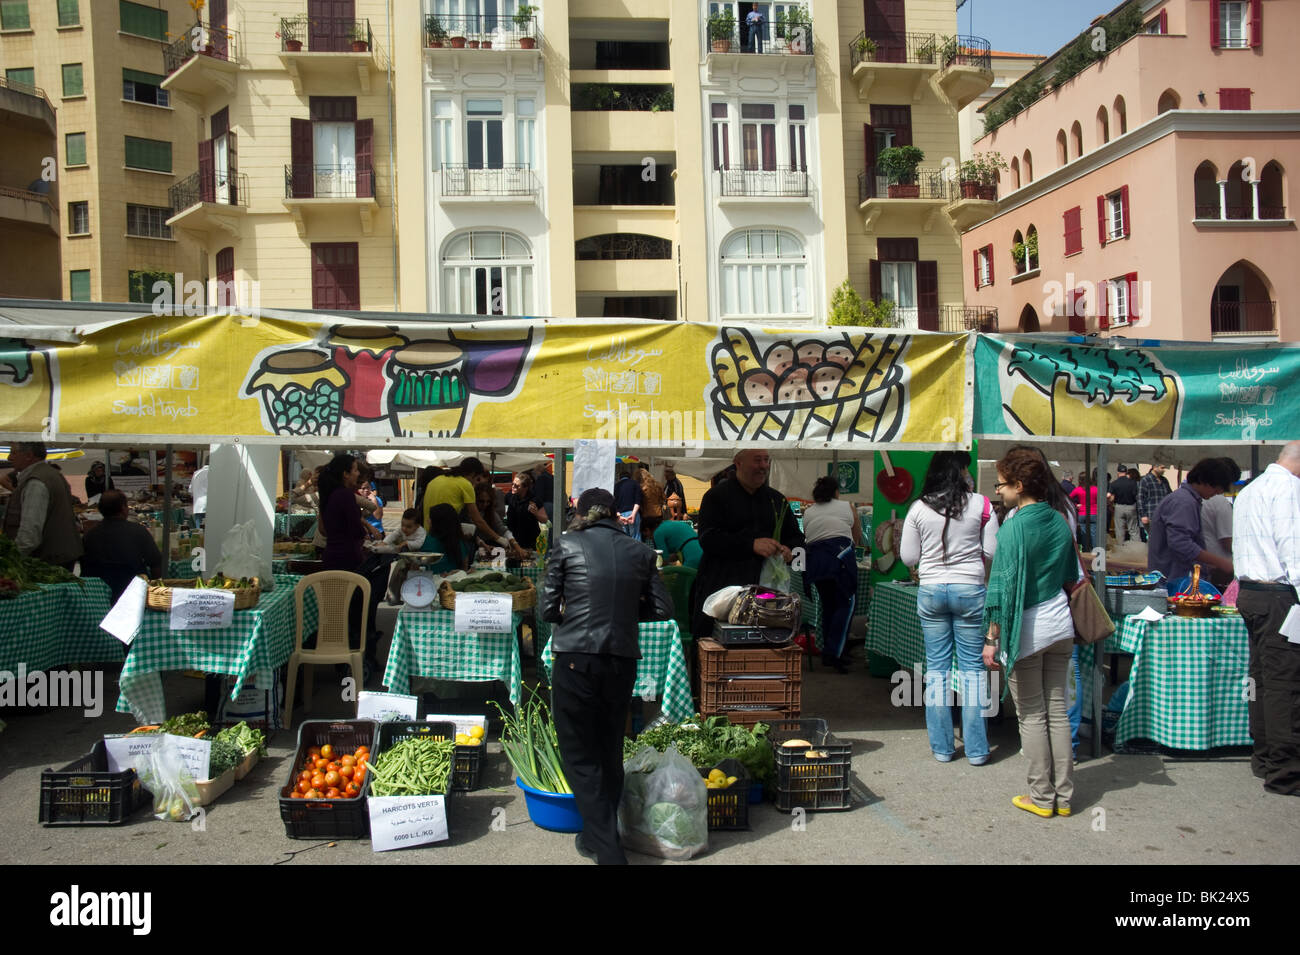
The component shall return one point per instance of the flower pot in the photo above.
(486, 45)
(471, 44)
(970, 189)
(721, 46)
(436, 44)
(897, 191)
(458, 43)
(360, 46)
(527, 43)
(293, 46)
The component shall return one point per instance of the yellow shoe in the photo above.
(1027, 804)
(1062, 810)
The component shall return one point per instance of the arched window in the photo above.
(765, 272)
(1272, 201)
(1031, 247)
(1168, 100)
(1028, 319)
(1018, 252)
(487, 273)
(1062, 149)
(1076, 140)
(1205, 185)
(1121, 115)
(1015, 173)
(1027, 168)
(1239, 198)
(1103, 126)
(1243, 302)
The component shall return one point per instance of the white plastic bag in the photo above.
(775, 574)
(241, 555)
(665, 807)
(718, 604)
(162, 771)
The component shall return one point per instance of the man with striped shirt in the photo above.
(1152, 489)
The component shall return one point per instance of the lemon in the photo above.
(731, 780)
(716, 774)
(472, 742)
(477, 732)
(462, 739)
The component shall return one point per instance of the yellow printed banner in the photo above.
(509, 383)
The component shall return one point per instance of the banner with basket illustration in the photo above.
(309, 382)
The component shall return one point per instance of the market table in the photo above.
(57, 625)
(425, 643)
(184, 569)
(294, 525)
(536, 572)
(893, 626)
(257, 643)
(661, 671)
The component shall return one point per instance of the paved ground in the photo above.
(910, 808)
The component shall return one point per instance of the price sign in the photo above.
(484, 613)
(386, 707)
(194, 609)
(122, 751)
(400, 821)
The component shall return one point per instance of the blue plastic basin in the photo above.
(557, 812)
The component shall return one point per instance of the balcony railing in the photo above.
(904, 48)
(200, 38)
(310, 181)
(966, 51)
(968, 318)
(639, 97)
(480, 32)
(930, 183)
(1240, 212)
(223, 189)
(1243, 318)
(781, 181)
(509, 180)
(303, 34)
(790, 39)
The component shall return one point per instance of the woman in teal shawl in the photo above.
(1030, 632)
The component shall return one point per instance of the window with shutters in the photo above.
(154, 155)
(487, 273)
(1232, 24)
(984, 266)
(74, 149)
(1115, 225)
(1234, 98)
(148, 222)
(141, 87)
(137, 19)
(332, 153)
(798, 139)
(73, 85)
(69, 13)
(718, 113)
(1118, 301)
(1074, 230)
(765, 272)
(78, 218)
(14, 15)
(335, 276)
(79, 285)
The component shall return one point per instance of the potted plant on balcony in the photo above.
(898, 164)
(979, 176)
(948, 50)
(360, 37)
(523, 23)
(437, 33)
(722, 27)
(798, 30)
(925, 50)
(866, 48)
(1025, 254)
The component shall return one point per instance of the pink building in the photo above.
(1151, 190)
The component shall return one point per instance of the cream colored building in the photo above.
(121, 141)
(1007, 68)
(29, 210)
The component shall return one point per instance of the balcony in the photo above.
(780, 49)
(971, 203)
(918, 203)
(1241, 319)
(783, 183)
(1237, 215)
(614, 117)
(455, 43)
(510, 183)
(28, 210)
(320, 190)
(897, 66)
(315, 50)
(203, 64)
(206, 202)
(968, 318)
(967, 70)
(26, 106)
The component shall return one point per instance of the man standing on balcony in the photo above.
(754, 21)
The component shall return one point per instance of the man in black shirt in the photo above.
(119, 549)
(737, 533)
(1124, 495)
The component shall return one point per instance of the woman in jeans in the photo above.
(1030, 631)
(951, 532)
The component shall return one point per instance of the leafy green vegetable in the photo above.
(186, 724)
(673, 824)
(247, 739)
(706, 742)
(223, 756)
(30, 572)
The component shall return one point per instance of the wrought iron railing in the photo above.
(928, 183)
(480, 32)
(304, 34)
(617, 246)
(1243, 318)
(638, 97)
(899, 48)
(223, 189)
(1239, 212)
(313, 181)
(779, 181)
(218, 42)
(459, 179)
(968, 318)
(966, 51)
(794, 38)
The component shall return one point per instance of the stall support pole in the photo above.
(1254, 461)
(559, 499)
(1099, 582)
(167, 508)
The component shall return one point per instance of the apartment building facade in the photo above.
(29, 198)
(1149, 193)
(120, 138)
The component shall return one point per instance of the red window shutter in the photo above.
(302, 170)
(875, 280)
(869, 152)
(1073, 230)
(1131, 282)
(226, 278)
(927, 296)
(1103, 304)
(1256, 23)
(365, 148)
(1073, 312)
(1123, 206)
(988, 251)
(207, 172)
(232, 152)
(976, 255)
(1101, 219)
(1234, 97)
(1164, 22)
(1214, 24)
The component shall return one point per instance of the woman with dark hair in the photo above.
(521, 511)
(831, 531)
(1030, 631)
(445, 537)
(951, 533)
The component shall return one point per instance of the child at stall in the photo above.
(409, 538)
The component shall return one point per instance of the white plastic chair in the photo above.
(333, 590)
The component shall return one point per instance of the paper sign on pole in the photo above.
(484, 613)
(464, 722)
(593, 465)
(194, 609)
(400, 821)
(386, 707)
(122, 751)
(124, 619)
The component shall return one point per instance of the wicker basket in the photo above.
(160, 595)
(520, 599)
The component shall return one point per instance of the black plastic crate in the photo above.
(819, 783)
(85, 793)
(329, 818)
(729, 808)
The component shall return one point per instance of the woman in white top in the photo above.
(951, 532)
(831, 531)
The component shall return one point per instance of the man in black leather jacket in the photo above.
(599, 582)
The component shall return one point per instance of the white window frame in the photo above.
(1228, 39)
(895, 277)
(526, 131)
(515, 274)
(720, 130)
(449, 120)
(443, 133)
(985, 261)
(758, 123)
(163, 97)
(797, 135)
(1115, 223)
(749, 282)
(339, 178)
(1117, 303)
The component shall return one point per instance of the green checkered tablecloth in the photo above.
(425, 643)
(294, 525)
(536, 573)
(893, 627)
(661, 671)
(57, 625)
(812, 602)
(257, 643)
(1189, 683)
(1087, 657)
(182, 569)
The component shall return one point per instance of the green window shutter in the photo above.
(14, 16)
(140, 283)
(75, 149)
(79, 285)
(72, 80)
(152, 154)
(69, 14)
(139, 76)
(26, 76)
(142, 20)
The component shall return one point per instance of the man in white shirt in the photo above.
(1266, 555)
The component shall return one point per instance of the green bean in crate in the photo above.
(413, 759)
